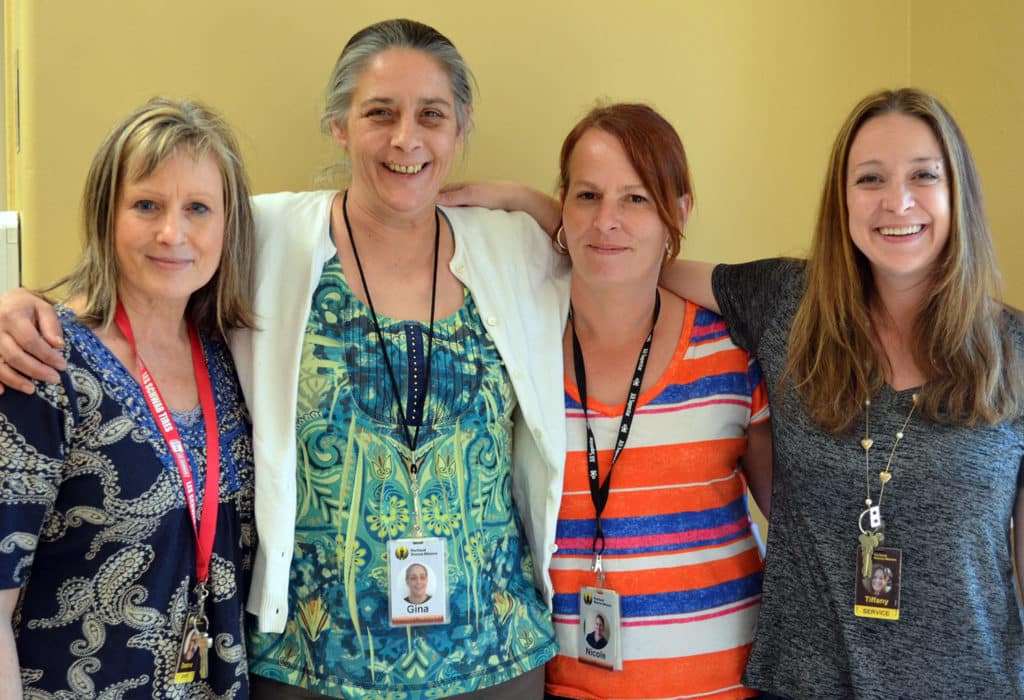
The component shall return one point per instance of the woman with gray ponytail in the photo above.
(398, 344)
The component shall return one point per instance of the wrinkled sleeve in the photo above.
(759, 411)
(33, 449)
(748, 295)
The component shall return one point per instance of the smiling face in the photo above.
(598, 626)
(612, 227)
(878, 581)
(416, 580)
(169, 230)
(898, 197)
(401, 132)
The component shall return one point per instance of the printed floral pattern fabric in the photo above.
(354, 494)
(95, 530)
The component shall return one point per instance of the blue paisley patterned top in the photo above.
(94, 527)
(354, 495)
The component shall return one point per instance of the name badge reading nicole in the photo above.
(417, 582)
(599, 641)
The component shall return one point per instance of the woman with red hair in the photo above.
(667, 423)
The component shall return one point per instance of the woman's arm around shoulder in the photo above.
(691, 279)
(30, 335)
(510, 196)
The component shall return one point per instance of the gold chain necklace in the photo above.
(871, 537)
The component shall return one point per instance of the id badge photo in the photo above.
(418, 581)
(600, 639)
(877, 594)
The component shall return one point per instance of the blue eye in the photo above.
(145, 205)
(199, 208)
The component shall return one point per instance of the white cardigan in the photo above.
(521, 289)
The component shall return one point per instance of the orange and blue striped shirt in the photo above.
(679, 547)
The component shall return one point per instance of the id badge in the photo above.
(417, 581)
(599, 641)
(192, 652)
(878, 595)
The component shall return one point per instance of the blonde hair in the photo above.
(134, 149)
(960, 339)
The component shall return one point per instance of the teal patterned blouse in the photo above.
(354, 494)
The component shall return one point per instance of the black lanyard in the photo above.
(411, 438)
(599, 491)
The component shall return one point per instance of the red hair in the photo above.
(655, 151)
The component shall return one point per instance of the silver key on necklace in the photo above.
(202, 641)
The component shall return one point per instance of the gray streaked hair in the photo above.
(392, 34)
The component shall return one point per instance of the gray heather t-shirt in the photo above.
(947, 508)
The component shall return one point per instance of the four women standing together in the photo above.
(402, 401)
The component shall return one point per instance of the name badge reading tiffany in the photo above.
(877, 591)
(599, 640)
(417, 582)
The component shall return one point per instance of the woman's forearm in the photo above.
(510, 196)
(691, 280)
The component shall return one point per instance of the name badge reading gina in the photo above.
(417, 582)
(599, 640)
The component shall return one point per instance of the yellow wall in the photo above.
(971, 55)
(3, 117)
(756, 89)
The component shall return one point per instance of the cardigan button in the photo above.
(492, 320)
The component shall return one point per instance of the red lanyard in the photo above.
(205, 530)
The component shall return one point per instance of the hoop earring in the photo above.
(559, 235)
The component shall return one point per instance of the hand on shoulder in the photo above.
(30, 341)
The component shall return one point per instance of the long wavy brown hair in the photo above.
(960, 337)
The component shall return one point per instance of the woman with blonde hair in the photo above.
(126, 510)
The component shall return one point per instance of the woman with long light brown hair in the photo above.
(894, 376)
